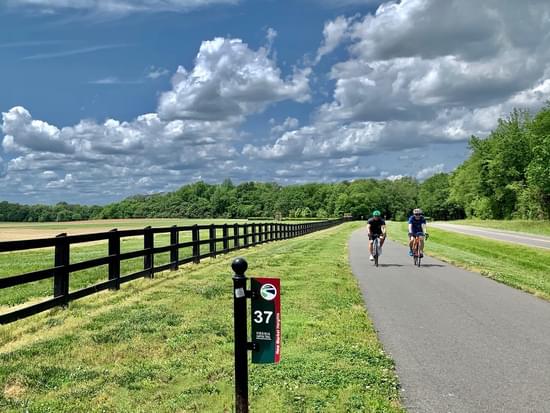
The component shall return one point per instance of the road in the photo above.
(530, 240)
(461, 342)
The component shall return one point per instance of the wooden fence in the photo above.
(233, 237)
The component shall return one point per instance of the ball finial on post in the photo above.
(239, 266)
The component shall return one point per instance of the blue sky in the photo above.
(102, 99)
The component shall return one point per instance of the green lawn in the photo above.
(166, 344)
(531, 227)
(521, 267)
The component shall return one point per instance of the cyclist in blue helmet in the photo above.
(376, 226)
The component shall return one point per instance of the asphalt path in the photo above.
(531, 240)
(461, 342)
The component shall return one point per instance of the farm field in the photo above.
(10, 231)
(519, 266)
(166, 344)
(518, 225)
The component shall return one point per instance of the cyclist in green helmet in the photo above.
(376, 226)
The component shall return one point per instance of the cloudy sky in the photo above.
(102, 99)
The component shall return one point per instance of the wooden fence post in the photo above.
(236, 240)
(149, 258)
(61, 275)
(253, 234)
(225, 235)
(212, 233)
(114, 254)
(245, 233)
(264, 232)
(174, 251)
(196, 237)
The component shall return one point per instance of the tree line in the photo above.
(508, 173)
(506, 176)
(249, 199)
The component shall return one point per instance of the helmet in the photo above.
(417, 211)
(376, 213)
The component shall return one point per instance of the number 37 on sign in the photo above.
(266, 320)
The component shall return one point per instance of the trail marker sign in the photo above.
(266, 320)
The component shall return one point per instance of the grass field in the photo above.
(530, 227)
(521, 267)
(165, 345)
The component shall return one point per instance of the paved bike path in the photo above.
(530, 240)
(461, 342)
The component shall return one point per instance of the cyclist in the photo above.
(417, 223)
(376, 226)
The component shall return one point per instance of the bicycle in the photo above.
(375, 248)
(417, 256)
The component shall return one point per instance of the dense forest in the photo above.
(506, 176)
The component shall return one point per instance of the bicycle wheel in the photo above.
(418, 252)
(375, 251)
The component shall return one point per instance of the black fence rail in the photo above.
(233, 237)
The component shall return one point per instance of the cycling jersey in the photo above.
(376, 225)
(417, 224)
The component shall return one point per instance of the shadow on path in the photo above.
(432, 265)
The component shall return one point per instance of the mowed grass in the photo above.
(166, 344)
(519, 266)
(531, 227)
(20, 262)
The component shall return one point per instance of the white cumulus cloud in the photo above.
(230, 80)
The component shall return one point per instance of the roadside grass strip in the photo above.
(166, 344)
(541, 227)
(522, 267)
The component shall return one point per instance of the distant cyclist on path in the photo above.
(376, 226)
(417, 224)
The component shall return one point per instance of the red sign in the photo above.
(266, 320)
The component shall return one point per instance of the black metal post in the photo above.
(240, 266)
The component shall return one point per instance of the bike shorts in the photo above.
(416, 234)
(371, 236)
